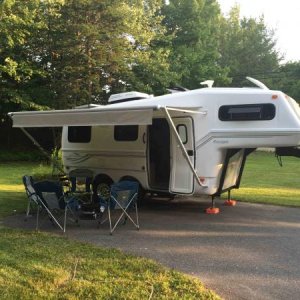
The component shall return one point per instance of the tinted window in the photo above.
(248, 112)
(126, 132)
(79, 134)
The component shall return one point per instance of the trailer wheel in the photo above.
(101, 188)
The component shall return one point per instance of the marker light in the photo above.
(202, 179)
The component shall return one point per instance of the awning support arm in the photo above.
(204, 113)
(35, 142)
(184, 152)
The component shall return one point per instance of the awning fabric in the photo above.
(82, 117)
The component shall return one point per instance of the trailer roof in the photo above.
(137, 112)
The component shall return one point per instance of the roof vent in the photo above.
(130, 96)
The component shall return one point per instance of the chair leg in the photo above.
(65, 218)
(51, 216)
(109, 219)
(37, 218)
(28, 209)
(102, 219)
(137, 217)
(125, 213)
(117, 222)
(127, 216)
(72, 212)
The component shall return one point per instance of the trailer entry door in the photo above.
(182, 178)
(159, 155)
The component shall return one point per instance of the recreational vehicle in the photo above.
(189, 142)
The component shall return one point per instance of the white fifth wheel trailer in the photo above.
(190, 142)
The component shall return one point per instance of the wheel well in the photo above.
(101, 178)
(129, 178)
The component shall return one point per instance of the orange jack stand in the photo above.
(229, 202)
(212, 210)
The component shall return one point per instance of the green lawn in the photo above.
(35, 265)
(43, 266)
(264, 181)
(12, 195)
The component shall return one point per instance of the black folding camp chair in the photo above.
(81, 180)
(123, 198)
(48, 196)
(81, 183)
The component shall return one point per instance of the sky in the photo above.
(283, 16)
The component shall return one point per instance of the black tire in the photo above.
(101, 188)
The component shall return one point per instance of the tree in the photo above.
(286, 79)
(21, 71)
(60, 54)
(20, 57)
(247, 47)
(102, 49)
(146, 61)
(194, 25)
(150, 67)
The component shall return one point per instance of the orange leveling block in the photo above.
(212, 210)
(229, 202)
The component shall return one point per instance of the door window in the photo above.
(182, 131)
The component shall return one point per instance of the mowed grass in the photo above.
(42, 266)
(36, 265)
(12, 195)
(264, 181)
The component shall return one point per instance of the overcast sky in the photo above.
(283, 16)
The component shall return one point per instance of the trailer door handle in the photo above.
(190, 152)
(144, 138)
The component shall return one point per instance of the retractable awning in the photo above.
(83, 117)
(101, 115)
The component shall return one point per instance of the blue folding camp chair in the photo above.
(33, 199)
(48, 196)
(123, 198)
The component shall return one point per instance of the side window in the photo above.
(182, 131)
(248, 112)
(79, 134)
(126, 132)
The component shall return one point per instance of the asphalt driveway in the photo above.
(249, 251)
